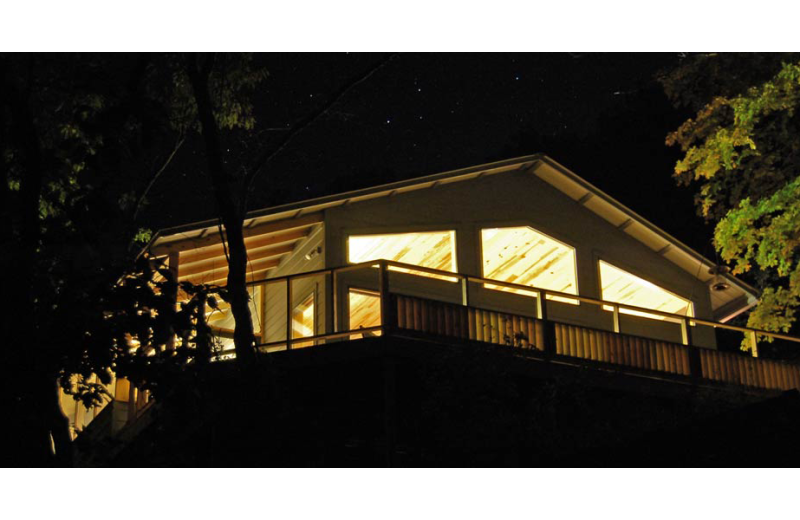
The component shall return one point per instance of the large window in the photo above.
(623, 287)
(432, 249)
(523, 256)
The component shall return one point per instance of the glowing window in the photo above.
(523, 256)
(364, 310)
(303, 321)
(434, 249)
(622, 287)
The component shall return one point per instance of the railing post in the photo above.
(465, 291)
(386, 314)
(753, 340)
(548, 327)
(617, 327)
(695, 363)
(686, 332)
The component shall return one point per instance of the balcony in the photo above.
(319, 308)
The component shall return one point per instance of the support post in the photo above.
(686, 332)
(386, 317)
(465, 291)
(695, 364)
(549, 328)
(617, 327)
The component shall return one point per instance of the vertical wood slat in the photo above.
(784, 384)
(559, 340)
(489, 326)
(627, 351)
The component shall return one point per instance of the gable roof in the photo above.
(726, 304)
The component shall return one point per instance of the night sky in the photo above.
(602, 115)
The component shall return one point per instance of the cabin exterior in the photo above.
(521, 253)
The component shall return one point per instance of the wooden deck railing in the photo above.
(609, 347)
(572, 341)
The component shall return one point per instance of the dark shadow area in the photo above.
(403, 402)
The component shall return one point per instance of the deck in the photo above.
(444, 307)
(559, 326)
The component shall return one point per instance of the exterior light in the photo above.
(314, 252)
(719, 283)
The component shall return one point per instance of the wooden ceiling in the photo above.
(201, 260)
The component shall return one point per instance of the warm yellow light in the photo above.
(523, 256)
(303, 321)
(364, 310)
(431, 249)
(222, 317)
(623, 287)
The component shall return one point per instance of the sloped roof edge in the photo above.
(670, 245)
(562, 178)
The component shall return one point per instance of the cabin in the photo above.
(522, 254)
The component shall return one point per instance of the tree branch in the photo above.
(304, 123)
(156, 175)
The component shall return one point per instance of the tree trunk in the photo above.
(231, 214)
(35, 409)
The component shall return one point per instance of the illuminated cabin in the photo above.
(521, 253)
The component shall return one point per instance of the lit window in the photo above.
(435, 250)
(303, 321)
(523, 256)
(619, 286)
(364, 310)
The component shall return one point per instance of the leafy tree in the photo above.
(743, 150)
(84, 139)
